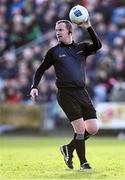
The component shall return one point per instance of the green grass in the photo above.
(39, 158)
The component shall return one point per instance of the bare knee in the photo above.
(91, 126)
(93, 130)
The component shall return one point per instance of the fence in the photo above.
(110, 116)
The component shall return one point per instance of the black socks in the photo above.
(86, 135)
(71, 145)
(78, 143)
(80, 147)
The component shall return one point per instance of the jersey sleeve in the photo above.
(94, 45)
(48, 61)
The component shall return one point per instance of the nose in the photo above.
(57, 33)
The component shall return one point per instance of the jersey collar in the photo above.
(68, 45)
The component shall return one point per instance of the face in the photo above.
(62, 33)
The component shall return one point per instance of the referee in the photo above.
(68, 59)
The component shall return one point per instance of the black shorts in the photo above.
(76, 103)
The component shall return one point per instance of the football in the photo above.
(78, 14)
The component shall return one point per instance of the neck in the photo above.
(68, 40)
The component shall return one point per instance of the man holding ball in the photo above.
(68, 59)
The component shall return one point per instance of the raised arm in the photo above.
(96, 43)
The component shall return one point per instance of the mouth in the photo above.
(59, 37)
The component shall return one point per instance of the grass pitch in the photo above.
(40, 158)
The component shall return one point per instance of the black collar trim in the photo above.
(68, 45)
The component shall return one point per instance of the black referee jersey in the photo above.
(69, 62)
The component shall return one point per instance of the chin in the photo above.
(62, 41)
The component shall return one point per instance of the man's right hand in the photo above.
(34, 94)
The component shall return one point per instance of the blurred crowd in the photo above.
(27, 32)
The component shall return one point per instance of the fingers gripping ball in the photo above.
(78, 14)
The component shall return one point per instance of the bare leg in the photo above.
(91, 127)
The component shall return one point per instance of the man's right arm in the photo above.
(48, 61)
